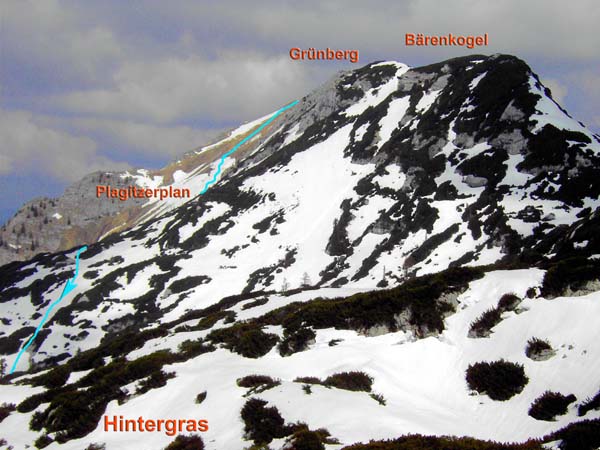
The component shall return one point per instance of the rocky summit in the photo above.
(406, 255)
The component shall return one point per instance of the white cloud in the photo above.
(163, 141)
(233, 87)
(54, 36)
(535, 27)
(589, 81)
(559, 90)
(28, 148)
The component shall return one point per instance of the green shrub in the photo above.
(251, 381)
(378, 398)
(306, 440)
(209, 321)
(156, 380)
(262, 424)
(43, 441)
(119, 345)
(296, 341)
(201, 397)
(54, 378)
(350, 381)
(37, 421)
(35, 400)
(589, 404)
(74, 412)
(500, 380)
(181, 442)
(247, 339)
(255, 343)
(255, 303)
(190, 349)
(537, 347)
(417, 296)
(308, 380)
(188, 283)
(5, 410)
(508, 302)
(584, 435)
(419, 442)
(571, 273)
(257, 383)
(483, 325)
(121, 372)
(549, 405)
(531, 292)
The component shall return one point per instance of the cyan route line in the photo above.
(242, 142)
(68, 288)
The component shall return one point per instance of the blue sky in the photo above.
(88, 86)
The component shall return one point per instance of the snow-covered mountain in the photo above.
(403, 223)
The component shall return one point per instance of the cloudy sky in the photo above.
(90, 85)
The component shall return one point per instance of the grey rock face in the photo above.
(45, 224)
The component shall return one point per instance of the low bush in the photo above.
(296, 341)
(378, 398)
(538, 348)
(257, 383)
(262, 424)
(190, 349)
(584, 435)
(549, 405)
(35, 400)
(209, 321)
(500, 380)
(74, 412)
(306, 440)
(350, 381)
(96, 447)
(244, 338)
(5, 410)
(156, 380)
(308, 380)
(419, 442)
(572, 273)
(483, 325)
(188, 283)
(54, 378)
(37, 421)
(43, 441)
(418, 298)
(508, 302)
(255, 303)
(181, 442)
(120, 345)
(201, 397)
(251, 381)
(589, 404)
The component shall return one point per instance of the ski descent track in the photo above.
(66, 290)
(70, 285)
(243, 141)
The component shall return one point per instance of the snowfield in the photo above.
(422, 381)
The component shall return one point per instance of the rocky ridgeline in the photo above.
(55, 224)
